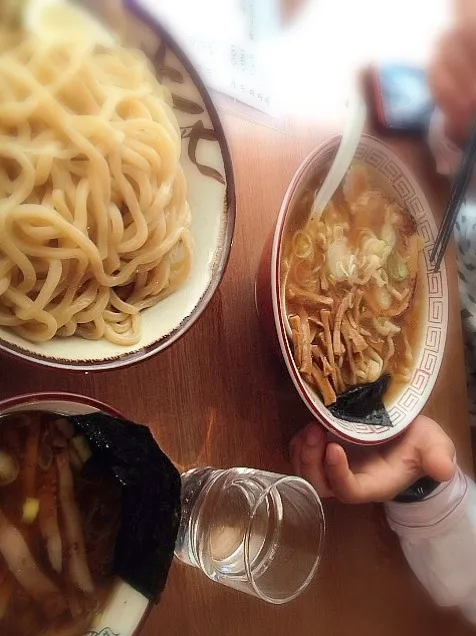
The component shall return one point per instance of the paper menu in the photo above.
(227, 40)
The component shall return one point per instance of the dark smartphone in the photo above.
(399, 98)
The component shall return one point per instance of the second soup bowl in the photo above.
(126, 609)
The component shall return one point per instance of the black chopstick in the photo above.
(455, 201)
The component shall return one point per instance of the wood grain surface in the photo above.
(219, 397)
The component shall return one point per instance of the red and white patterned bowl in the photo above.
(411, 399)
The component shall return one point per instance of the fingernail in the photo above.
(313, 437)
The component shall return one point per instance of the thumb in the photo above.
(438, 462)
(436, 449)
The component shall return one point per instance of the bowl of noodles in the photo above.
(60, 524)
(116, 188)
(360, 314)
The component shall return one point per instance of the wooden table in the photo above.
(219, 397)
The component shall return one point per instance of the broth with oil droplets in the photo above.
(58, 525)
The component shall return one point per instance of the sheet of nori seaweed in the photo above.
(150, 498)
(364, 403)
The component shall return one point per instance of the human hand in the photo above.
(377, 473)
(452, 72)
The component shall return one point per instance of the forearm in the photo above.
(438, 537)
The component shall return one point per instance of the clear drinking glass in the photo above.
(255, 531)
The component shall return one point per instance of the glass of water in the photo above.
(255, 531)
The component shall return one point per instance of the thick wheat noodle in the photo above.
(94, 222)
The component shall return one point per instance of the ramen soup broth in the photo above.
(413, 323)
(410, 322)
(57, 537)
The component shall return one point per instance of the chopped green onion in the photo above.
(31, 507)
(383, 297)
(402, 271)
(398, 269)
(9, 468)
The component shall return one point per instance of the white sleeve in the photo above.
(438, 537)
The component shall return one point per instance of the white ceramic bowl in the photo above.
(410, 400)
(126, 608)
(211, 194)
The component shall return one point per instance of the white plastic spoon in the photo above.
(349, 142)
(351, 135)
